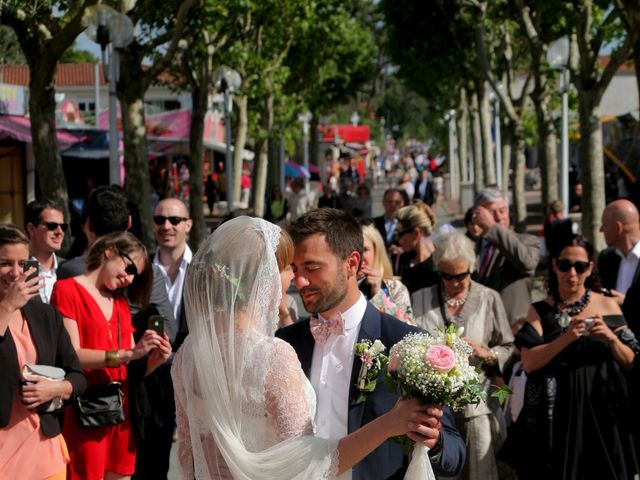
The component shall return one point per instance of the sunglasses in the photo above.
(458, 277)
(53, 225)
(401, 233)
(564, 265)
(130, 268)
(160, 219)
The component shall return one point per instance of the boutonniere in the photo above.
(373, 360)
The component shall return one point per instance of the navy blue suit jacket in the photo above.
(387, 461)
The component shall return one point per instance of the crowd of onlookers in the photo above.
(112, 317)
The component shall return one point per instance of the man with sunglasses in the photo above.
(44, 223)
(507, 260)
(171, 225)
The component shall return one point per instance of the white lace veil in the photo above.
(232, 292)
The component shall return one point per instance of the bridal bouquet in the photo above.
(435, 369)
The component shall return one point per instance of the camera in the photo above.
(588, 324)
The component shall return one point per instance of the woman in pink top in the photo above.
(31, 332)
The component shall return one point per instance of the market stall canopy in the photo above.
(346, 133)
(19, 128)
(169, 131)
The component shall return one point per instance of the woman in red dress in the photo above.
(97, 317)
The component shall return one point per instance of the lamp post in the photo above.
(304, 119)
(355, 118)
(227, 81)
(497, 136)
(558, 58)
(450, 118)
(111, 30)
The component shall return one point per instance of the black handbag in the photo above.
(100, 405)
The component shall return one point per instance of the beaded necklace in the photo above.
(566, 310)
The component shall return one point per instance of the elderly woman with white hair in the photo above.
(460, 301)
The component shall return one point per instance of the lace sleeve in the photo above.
(185, 452)
(288, 407)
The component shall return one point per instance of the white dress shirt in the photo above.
(48, 280)
(331, 375)
(174, 290)
(627, 269)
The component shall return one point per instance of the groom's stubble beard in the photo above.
(331, 295)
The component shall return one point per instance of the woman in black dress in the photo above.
(576, 347)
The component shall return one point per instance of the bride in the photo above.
(244, 407)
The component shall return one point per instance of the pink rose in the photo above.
(440, 357)
(393, 362)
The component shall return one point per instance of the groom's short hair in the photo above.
(341, 231)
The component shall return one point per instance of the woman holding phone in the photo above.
(31, 333)
(576, 347)
(97, 317)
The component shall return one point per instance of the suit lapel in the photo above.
(304, 344)
(612, 273)
(369, 330)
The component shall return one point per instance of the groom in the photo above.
(328, 252)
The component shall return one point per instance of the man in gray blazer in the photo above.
(507, 260)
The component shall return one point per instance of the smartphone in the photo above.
(156, 323)
(27, 264)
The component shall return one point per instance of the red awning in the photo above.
(346, 133)
(19, 128)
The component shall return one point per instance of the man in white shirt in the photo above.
(328, 253)
(618, 264)
(45, 226)
(171, 225)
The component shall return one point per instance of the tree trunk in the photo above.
(507, 161)
(477, 144)
(488, 157)
(519, 209)
(42, 107)
(260, 177)
(462, 120)
(313, 142)
(547, 146)
(636, 63)
(137, 182)
(241, 139)
(199, 110)
(591, 171)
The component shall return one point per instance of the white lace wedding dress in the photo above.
(278, 404)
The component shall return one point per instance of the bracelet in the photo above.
(492, 358)
(111, 359)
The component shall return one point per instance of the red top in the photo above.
(76, 303)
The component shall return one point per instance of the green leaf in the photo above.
(501, 393)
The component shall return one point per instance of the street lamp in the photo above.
(227, 81)
(355, 118)
(558, 58)
(111, 30)
(450, 118)
(304, 119)
(497, 135)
